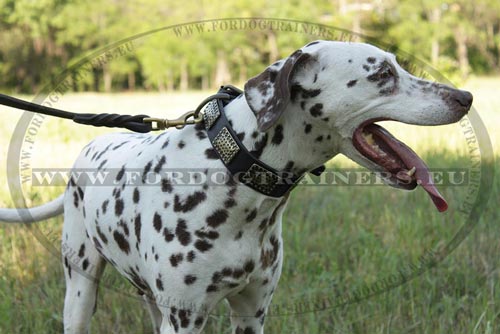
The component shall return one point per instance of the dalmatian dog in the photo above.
(186, 247)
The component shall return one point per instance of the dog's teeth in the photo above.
(369, 138)
(411, 171)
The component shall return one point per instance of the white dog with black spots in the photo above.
(187, 247)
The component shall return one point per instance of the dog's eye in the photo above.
(386, 73)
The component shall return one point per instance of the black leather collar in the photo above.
(242, 165)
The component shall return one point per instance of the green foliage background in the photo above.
(40, 38)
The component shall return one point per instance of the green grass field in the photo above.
(339, 241)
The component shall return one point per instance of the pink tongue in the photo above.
(425, 180)
(411, 159)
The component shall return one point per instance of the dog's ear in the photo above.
(268, 93)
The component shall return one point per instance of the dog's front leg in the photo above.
(249, 306)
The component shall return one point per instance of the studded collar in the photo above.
(241, 164)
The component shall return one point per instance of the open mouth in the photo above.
(399, 163)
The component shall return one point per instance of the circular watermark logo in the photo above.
(478, 175)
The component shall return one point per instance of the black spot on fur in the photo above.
(191, 256)
(160, 164)
(249, 266)
(238, 235)
(85, 264)
(157, 222)
(229, 203)
(259, 146)
(169, 236)
(136, 196)
(81, 252)
(211, 154)
(175, 259)
(119, 145)
(166, 186)
(118, 207)
(184, 318)
(199, 322)
(181, 144)
(288, 167)
(226, 271)
(189, 279)
(103, 151)
(216, 218)
(174, 323)
(68, 267)
(269, 256)
(366, 68)
(101, 235)
(121, 241)
(251, 216)
(146, 170)
(102, 164)
(190, 202)
(201, 134)
(316, 110)
(352, 83)
(212, 288)
(80, 192)
(373, 77)
(124, 226)
(237, 273)
(202, 245)
(105, 206)
(308, 128)
(207, 235)
(76, 199)
(96, 243)
(278, 135)
(182, 233)
(159, 284)
(120, 174)
(165, 144)
(319, 139)
(241, 136)
(371, 60)
(216, 277)
(296, 91)
(137, 227)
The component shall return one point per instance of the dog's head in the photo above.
(344, 88)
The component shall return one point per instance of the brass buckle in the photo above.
(179, 123)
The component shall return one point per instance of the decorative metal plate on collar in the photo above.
(242, 164)
(211, 113)
(225, 145)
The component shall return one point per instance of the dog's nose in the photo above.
(462, 97)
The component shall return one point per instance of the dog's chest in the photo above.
(217, 236)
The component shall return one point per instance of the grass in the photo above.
(338, 241)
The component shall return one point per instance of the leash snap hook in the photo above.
(178, 123)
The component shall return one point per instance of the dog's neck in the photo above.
(295, 143)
